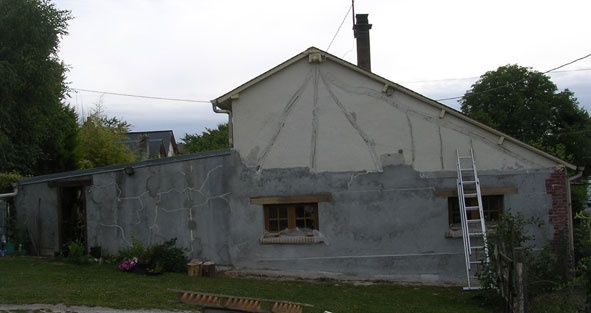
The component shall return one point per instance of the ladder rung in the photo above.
(475, 234)
(477, 247)
(473, 221)
(467, 169)
(470, 195)
(469, 182)
(464, 156)
(472, 208)
(476, 262)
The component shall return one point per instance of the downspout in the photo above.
(216, 109)
(569, 205)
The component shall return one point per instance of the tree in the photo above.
(100, 140)
(37, 130)
(527, 105)
(210, 139)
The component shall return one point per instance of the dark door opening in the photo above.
(72, 215)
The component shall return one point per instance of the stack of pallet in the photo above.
(198, 268)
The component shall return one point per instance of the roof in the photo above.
(120, 167)
(158, 140)
(224, 101)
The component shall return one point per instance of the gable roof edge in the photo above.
(223, 100)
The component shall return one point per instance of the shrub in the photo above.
(77, 253)
(171, 258)
(164, 257)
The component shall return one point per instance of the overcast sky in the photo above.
(201, 49)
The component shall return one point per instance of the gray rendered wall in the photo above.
(388, 225)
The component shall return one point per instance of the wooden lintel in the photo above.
(485, 191)
(314, 198)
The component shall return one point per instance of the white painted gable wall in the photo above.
(354, 126)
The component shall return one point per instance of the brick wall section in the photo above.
(558, 214)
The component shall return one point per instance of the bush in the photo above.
(77, 253)
(509, 233)
(164, 257)
(171, 258)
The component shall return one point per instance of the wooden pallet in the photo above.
(240, 304)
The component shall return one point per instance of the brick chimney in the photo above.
(361, 32)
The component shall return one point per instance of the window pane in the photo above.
(282, 224)
(272, 212)
(282, 212)
(300, 223)
(299, 211)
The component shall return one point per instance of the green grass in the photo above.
(26, 280)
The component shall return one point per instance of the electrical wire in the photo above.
(138, 96)
(339, 29)
(553, 70)
(476, 77)
(519, 80)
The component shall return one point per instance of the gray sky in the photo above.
(202, 49)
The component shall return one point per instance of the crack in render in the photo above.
(440, 146)
(378, 95)
(283, 118)
(314, 139)
(155, 228)
(366, 139)
(412, 139)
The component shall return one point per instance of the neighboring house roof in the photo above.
(224, 101)
(161, 143)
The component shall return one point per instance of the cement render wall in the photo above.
(388, 225)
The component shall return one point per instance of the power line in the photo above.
(139, 96)
(519, 80)
(476, 77)
(339, 29)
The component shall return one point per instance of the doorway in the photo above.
(72, 214)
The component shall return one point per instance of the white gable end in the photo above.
(328, 117)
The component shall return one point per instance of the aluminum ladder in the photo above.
(476, 252)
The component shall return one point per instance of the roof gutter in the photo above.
(217, 109)
(12, 194)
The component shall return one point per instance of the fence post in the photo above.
(519, 300)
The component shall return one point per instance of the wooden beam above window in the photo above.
(313, 198)
(485, 191)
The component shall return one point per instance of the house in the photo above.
(334, 172)
(152, 144)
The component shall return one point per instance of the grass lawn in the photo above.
(25, 280)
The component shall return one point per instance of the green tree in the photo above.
(37, 130)
(100, 140)
(527, 105)
(210, 139)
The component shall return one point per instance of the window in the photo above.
(492, 206)
(279, 217)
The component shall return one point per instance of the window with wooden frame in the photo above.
(279, 217)
(492, 206)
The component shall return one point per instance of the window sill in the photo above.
(292, 237)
